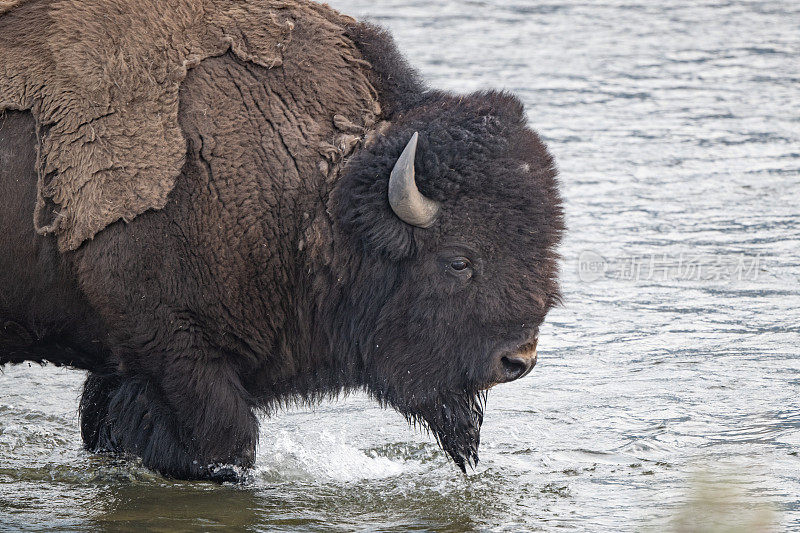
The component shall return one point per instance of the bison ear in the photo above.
(407, 202)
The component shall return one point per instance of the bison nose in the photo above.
(516, 365)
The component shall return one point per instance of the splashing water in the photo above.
(323, 456)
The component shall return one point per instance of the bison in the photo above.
(256, 218)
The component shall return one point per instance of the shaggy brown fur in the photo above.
(102, 80)
(277, 270)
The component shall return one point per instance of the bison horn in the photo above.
(407, 202)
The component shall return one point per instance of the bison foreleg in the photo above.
(184, 427)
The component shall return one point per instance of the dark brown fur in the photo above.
(277, 272)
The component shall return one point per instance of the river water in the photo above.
(668, 383)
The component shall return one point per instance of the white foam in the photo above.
(323, 455)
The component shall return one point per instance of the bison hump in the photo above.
(102, 80)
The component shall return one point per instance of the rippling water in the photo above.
(676, 126)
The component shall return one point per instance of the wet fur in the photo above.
(248, 292)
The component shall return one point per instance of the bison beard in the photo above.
(336, 226)
(455, 420)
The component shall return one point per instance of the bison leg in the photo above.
(184, 427)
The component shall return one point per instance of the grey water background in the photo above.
(676, 127)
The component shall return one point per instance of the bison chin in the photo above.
(455, 421)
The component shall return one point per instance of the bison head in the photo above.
(445, 229)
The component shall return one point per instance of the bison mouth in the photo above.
(455, 421)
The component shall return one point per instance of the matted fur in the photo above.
(102, 80)
(5, 5)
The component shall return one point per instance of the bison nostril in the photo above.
(515, 367)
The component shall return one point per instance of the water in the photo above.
(676, 126)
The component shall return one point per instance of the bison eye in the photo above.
(457, 266)
(459, 263)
